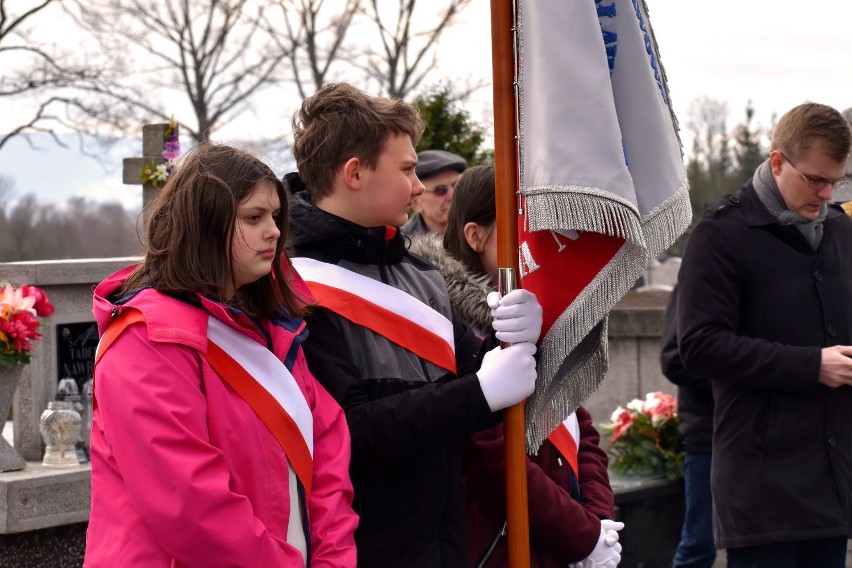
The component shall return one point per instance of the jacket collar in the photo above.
(178, 320)
(319, 233)
(756, 214)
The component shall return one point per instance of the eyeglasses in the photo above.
(817, 182)
(441, 190)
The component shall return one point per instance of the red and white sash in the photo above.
(388, 311)
(269, 388)
(566, 439)
(266, 384)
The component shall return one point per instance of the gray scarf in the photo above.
(768, 193)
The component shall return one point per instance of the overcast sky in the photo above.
(776, 53)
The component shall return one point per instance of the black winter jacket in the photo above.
(694, 393)
(407, 417)
(756, 305)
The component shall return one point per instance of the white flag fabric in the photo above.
(603, 188)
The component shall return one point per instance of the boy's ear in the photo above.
(473, 235)
(352, 173)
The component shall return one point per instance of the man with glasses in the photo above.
(765, 311)
(439, 171)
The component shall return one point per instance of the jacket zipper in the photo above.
(490, 550)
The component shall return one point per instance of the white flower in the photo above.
(15, 299)
(635, 405)
(616, 413)
(160, 174)
(651, 401)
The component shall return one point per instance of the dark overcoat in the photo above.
(756, 306)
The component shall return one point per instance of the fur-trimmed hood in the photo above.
(467, 290)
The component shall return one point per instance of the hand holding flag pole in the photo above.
(506, 170)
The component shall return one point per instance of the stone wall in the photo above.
(635, 328)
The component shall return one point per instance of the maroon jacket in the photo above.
(562, 528)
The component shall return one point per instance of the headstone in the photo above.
(76, 344)
(661, 275)
(153, 145)
(67, 346)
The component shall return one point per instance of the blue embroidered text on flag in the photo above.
(603, 187)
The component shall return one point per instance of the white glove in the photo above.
(611, 528)
(507, 376)
(607, 552)
(517, 316)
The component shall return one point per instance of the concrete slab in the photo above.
(39, 497)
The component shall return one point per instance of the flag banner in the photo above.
(603, 187)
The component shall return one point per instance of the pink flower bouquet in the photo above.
(644, 438)
(20, 309)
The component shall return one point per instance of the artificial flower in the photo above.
(42, 305)
(17, 301)
(171, 149)
(158, 175)
(644, 438)
(20, 309)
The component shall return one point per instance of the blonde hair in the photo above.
(809, 125)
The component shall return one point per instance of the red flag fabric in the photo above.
(602, 183)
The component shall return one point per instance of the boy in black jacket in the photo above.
(384, 340)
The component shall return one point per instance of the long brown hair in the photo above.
(191, 227)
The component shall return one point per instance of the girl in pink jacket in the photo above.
(212, 444)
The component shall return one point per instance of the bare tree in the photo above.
(81, 229)
(407, 54)
(7, 190)
(707, 123)
(217, 54)
(314, 38)
(39, 72)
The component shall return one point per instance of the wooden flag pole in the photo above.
(506, 170)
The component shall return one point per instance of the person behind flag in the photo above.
(696, 548)
(764, 311)
(385, 341)
(571, 502)
(439, 171)
(212, 444)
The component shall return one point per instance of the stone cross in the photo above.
(153, 139)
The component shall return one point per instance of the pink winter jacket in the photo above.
(183, 471)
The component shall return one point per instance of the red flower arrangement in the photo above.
(644, 437)
(20, 309)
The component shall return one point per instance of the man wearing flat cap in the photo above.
(439, 171)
